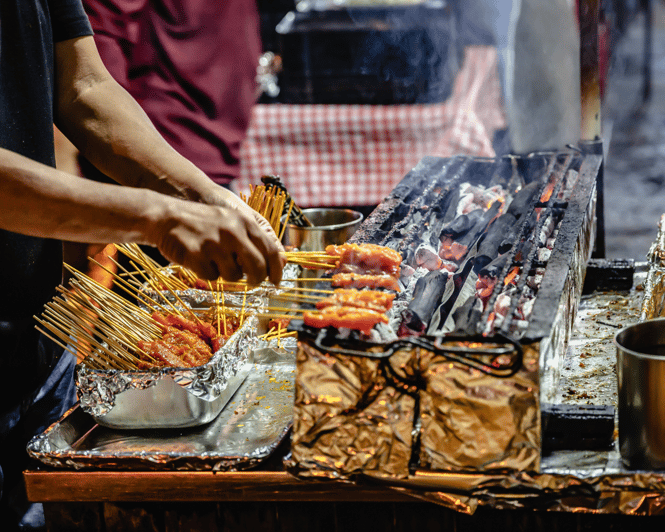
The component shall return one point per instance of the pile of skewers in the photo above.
(107, 331)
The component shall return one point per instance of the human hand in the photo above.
(220, 240)
(225, 198)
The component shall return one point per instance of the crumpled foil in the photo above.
(97, 389)
(656, 254)
(358, 415)
(196, 298)
(247, 431)
(653, 304)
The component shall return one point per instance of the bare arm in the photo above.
(221, 238)
(41, 201)
(112, 131)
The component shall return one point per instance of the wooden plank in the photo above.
(118, 486)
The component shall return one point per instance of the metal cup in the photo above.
(641, 376)
(330, 226)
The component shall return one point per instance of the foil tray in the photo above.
(246, 432)
(168, 397)
(197, 298)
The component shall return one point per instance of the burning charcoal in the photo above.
(467, 201)
(493, 243)
(427, 296)
(406, 271)
(524, 199)
(478, 197)
(427, 257)
(485, 287)
(449, 266)
(501, 308)
(468, 316)
(454, 244)
(462, 225)
(451, 212)
(494, 268)
(533, 281)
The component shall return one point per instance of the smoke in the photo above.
(414, 49)
(542, 75)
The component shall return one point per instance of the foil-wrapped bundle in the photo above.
(415, 409)
(653, 303)
(656, 254)
(168, 397)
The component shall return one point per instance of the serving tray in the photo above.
(248, 429)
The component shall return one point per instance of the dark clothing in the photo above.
(191, 64)
(31, 268)
(57, 395)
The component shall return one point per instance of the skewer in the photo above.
(131, 289)
(223, 306)
(286, 220)
(298, 298)
(313, 265)
(303, 289)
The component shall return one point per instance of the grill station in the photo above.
(494, 256)
(491, 247)
(364, 54)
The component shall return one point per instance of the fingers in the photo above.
(271, 252)
(214, 242)
(271, 249)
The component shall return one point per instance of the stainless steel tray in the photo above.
(168, 397)
(247, 430)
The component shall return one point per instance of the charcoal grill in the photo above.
(555, 203)
(456, 380)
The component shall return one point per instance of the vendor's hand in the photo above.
(223, 197)
(221, 240)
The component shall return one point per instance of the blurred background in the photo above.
(438, 70)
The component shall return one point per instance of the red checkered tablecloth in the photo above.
(355, 154)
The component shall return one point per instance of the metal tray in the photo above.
(168, 397)
(249, 428)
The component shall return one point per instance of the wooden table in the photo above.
(270, 501)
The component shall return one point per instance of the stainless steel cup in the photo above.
(330, 226)
(641, 376)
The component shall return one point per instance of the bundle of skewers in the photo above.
(107, 331)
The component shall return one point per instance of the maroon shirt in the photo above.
(191, 64)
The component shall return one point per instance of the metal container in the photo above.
(641, 378)
(168, 397)
(330, 226)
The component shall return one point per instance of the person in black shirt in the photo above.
(51, 73)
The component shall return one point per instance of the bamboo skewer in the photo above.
(307, 290)
(286, 220)
(97, 323)
(313, 279)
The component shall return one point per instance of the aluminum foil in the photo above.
(168, 397)
(656, 254)
(653, 305)
(359, 415)
(594, 482)
(247, 431)
(197, 298)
